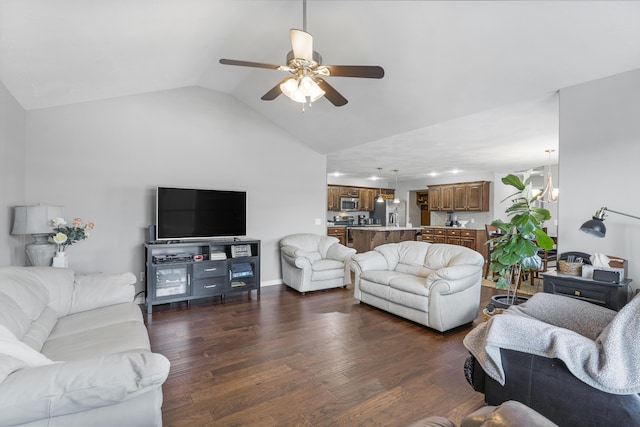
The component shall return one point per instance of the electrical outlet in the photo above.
(142, 276)
(318, 221)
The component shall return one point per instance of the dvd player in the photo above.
(160, 259)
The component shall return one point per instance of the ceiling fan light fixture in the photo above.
(299, 89)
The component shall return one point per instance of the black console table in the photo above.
(607, 294)
(186, 271)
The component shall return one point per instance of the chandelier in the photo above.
(549, 194)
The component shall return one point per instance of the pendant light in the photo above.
(549, 194)
(395, 199)
(380, 199)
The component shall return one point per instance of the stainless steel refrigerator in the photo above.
(390, 214)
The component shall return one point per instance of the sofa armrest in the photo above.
(339, 252)
(100, 290)
(32, 394)
(371, 260)
(296, 256)
(457, 278)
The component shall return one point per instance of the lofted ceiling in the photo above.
(469, 85)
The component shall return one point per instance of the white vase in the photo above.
(61, 260)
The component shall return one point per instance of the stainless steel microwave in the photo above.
(349, 204)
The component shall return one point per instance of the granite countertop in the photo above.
(473, 227)
(383, 228)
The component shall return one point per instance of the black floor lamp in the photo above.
(595, 226)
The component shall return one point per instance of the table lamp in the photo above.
(36, 220)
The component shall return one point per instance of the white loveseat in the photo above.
(74, 351)
(312, 262)
(436, 285)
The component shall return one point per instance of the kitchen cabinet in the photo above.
(367, 199)
(471, 196)
(463, 196)
(470, 238)
(367, 238)
(441, 198)
(367, 196)
(339, 232)
(349, 192)
(333, 198)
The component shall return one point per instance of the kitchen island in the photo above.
(367, 238)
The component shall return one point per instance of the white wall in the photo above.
(102, 160)
(12, 177)
(599, 153)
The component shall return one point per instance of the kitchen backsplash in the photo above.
(479, 218)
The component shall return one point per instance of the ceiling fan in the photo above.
(307, 84)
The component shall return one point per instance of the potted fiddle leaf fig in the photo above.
(515, 249)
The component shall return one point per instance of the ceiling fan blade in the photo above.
(330, 93)
(249, 64)
(302, 44)
(274, 92)
(366, 71)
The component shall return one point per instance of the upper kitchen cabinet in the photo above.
(349, 192)
(367, 199)
(463, 196)
(471, 196)
(365, 195)
(333, 198)
(441, 197)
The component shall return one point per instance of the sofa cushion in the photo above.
(97, 318)
(384, 277)
(116, 338)
(327, 264)
(26, 289)
(100, 290)
(373, 288)
(40, 329)
(413, 284)
(13, 317)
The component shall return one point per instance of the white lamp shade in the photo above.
(35, 219)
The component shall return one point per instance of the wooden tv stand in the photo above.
(193, 270)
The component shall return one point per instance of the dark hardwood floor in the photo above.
(321, 359)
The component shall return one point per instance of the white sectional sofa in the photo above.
(74, 351)
(436, 285)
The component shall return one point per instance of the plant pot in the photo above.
(500, 301)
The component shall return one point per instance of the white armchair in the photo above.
(312, 262)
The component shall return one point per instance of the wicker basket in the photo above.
(486, 316)
(570, 268)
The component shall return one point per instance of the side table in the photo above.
(607, 294)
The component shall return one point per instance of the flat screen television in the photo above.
(190, 213)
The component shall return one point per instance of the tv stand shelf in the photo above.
(200, 269)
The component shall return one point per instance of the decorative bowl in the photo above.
(463, 223)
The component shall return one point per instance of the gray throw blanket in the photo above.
(601, 347)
